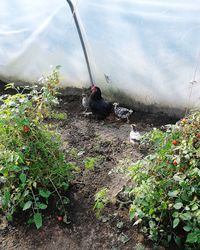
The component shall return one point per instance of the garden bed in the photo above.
(108, 143)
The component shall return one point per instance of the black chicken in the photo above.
(99, 107)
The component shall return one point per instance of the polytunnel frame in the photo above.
(81, 40)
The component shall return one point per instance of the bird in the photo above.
(135, 136)
(121, 112)
(85, 102)
(99, 107)
(96, 91)
(108, 80)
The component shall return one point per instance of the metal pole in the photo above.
(82, 41)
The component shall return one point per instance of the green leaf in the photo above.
(26, 193)
(192, 237)
(173, 193)
(178, 205)
(175, 214)
(44, 193)
(27, 205)
(187, 228)
(66, 200)
(9, 217)
(90, 163)
(65, 186)
(194, 207)
(30, 220)
(6, 199)
(178, 241)
(169, 238)
(187, 208)
(15, 168)
(176, 222)
(22, 178)
(38, 220)
(132, 214)
(99, 205)
(42, 206)
(151, 211)
(10, 86)
(185, 216)
(184, 196)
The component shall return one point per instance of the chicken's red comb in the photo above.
(93, 88)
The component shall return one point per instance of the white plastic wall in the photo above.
(148, 49)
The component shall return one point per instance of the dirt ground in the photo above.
(108, 142)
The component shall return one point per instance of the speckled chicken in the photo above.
(99, 107)
(121, 112)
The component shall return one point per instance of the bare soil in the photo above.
(108, 142)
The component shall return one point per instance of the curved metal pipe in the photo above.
(82, 41)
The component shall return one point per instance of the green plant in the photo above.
(152, 139)
(89, 163)
(32, 163)
(166, 192)
(58, 116)
(101, 200)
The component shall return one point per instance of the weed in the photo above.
(101, 200)
(58, 116)
(90, 163)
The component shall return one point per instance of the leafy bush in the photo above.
(166, 184)
(32, 164)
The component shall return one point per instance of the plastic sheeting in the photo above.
(148, 50)
(35, 35)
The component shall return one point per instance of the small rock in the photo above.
(104, 219)
(3, 223)
(140, 237)
(123, 238)
(120, 224)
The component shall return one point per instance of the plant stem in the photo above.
(58, 194)
(34, 199)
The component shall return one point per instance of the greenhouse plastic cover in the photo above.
(147, 50)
